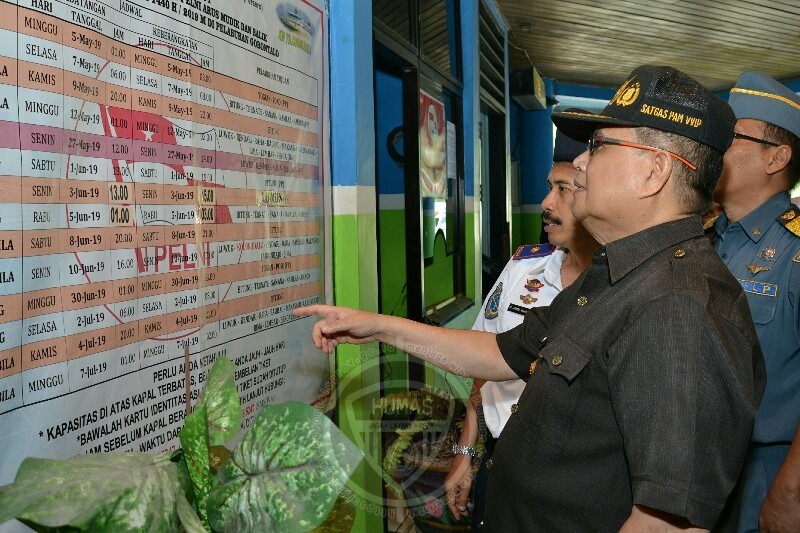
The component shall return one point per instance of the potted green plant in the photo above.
(286, 473)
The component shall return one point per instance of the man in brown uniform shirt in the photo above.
(645, 374)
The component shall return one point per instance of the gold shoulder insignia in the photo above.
(790, 219)
(710, 222)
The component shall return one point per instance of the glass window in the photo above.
(395, 15)
(438, 34)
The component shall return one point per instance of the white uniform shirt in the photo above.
(516, 290)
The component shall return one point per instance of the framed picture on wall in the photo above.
(432, 147)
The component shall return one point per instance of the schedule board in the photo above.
(162, 188)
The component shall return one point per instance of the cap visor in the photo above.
(580, 126)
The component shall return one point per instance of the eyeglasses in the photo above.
(737, 135)
(598, 140)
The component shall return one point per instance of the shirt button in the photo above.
(583, 300)
(679, 253)
(724, 256)
(489, 464)
(557, 360)
(514, 408)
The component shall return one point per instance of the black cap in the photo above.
(662, 98)
(567, 149)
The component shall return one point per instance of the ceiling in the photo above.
(598, 42)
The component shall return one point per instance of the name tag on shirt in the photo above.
(518, 309)
(757, 287)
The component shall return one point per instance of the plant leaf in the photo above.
(117, 492)
(218, 455)
(183, 474)
(189, 520)
(194, 442)
(214, 421)
(224, 416)
(285, 474)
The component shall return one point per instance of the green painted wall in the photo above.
(438, 273)
(530, 228)
(469, 251)
(357, 366)
(438, 286)
(393, 300)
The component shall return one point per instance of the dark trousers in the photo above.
(479, 485)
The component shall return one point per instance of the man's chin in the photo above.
(579, 212)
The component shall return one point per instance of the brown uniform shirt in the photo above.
(648, 378)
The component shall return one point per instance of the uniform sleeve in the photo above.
(685, 384)
(520, 345)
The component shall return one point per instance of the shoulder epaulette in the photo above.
(529, 251)
(790, 219)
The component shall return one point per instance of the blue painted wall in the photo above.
(352, 117)
(388, 115)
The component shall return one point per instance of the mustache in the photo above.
(549, 219)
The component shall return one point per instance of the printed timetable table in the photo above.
(149, 202)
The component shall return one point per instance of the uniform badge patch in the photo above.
(796, 259)
(533, 285)
(492, 308)
(755, 269)
(527, 299)
(756, 287)
(767, 254)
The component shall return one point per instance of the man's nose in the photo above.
(547, 203)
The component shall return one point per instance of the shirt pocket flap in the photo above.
(565, 358)
(762, 308)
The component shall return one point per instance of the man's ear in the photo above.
(659, 175)
(781, 157)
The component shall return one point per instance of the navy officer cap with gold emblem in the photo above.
(759, 97)
(662, 98)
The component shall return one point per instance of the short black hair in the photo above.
(779, 135)
(695, 187)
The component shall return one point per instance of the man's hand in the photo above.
(462, 352)
(781, 508)
(780, 512)
(340, 325)
(458, 484)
